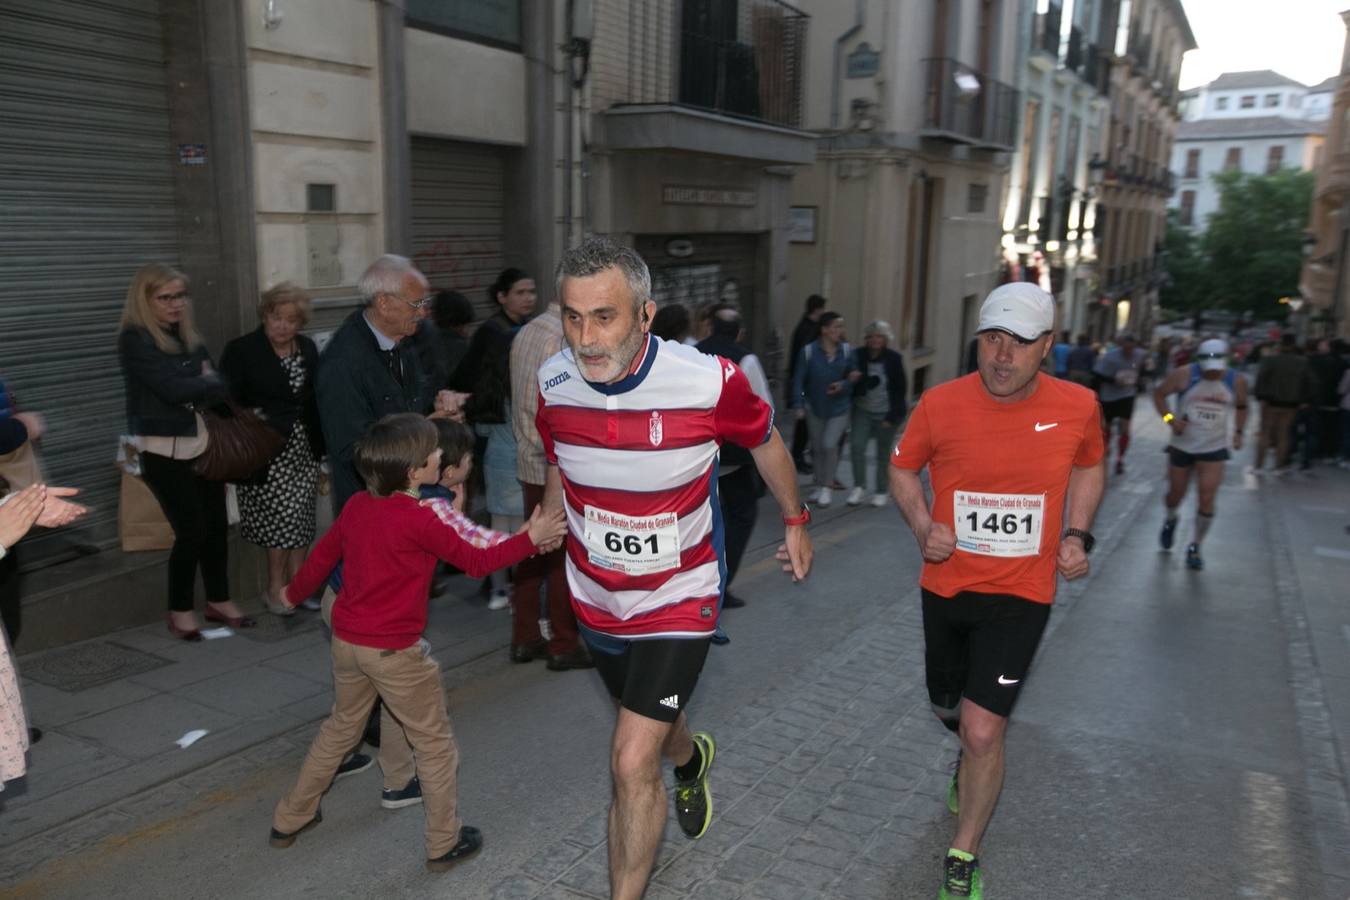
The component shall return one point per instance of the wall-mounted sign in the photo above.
(801, 225)
(680, 248)
(192, 154)
(707, 196)
(863, 62)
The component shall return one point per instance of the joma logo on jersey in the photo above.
(557, 380)
(655, 432)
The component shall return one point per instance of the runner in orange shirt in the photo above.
(1013, 455)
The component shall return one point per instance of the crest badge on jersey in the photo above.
(655, 432)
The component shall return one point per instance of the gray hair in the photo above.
(385, 276)
(880, 327)
(596, 254)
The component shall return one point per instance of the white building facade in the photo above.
(1253, 122)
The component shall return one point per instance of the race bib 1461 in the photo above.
(999, 524)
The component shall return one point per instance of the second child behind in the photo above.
(388, 542)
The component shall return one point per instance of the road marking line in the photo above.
(1332, 553)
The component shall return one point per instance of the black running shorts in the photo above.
(653, 678)
(1183, 460)
(979, 646)
(1118, 409)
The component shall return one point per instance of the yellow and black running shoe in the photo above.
(693, 799)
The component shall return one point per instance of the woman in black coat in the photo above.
(168, 376)
(271, 369)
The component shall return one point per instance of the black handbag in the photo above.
(240, 444)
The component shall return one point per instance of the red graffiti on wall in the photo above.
(460, 263)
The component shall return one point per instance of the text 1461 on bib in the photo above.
(998, 524)
(633, 545)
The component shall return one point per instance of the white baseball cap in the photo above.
(1020, 308)
(1212, 355)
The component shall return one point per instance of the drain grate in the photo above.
(76, 669)
(271, 629)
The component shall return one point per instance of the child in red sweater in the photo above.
(388, 543)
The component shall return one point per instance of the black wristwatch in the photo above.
(1088, 540)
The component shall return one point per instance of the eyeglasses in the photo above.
(419, 304)
(170, 299)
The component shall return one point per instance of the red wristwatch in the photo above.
(801, 519)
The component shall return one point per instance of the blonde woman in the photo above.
(168, 373)
(271, 369)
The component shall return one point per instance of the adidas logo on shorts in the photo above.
(673, 701)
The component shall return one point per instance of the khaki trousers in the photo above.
(1277, 432)
(395, 753)
(409, 682)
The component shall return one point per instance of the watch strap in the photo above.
(802, 518)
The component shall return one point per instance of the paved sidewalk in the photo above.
(112, 708)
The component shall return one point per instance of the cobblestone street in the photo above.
(1180, 736)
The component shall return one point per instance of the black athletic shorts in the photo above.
(1183, 460)
(1118, 409)
(979, 646)
(653, 678)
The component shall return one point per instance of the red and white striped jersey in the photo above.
(638, 460)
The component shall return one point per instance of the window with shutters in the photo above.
(1274, 159)
(1193, 163)
(1187, 214)
(1232, 160)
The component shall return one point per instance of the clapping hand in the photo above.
(20, 513)
(57, 511)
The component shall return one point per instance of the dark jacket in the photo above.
(1285, 379)
(162, 388)
(730, 454)
(13, 433)
(1327, 369)
(492, 340)
(258, 380)
(897, 388)
(355, 388)
(807, 330)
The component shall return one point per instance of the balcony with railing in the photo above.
(691, 76)
(966, 106)
(1045, 31)
(1074, 55)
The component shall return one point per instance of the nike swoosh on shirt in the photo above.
(1006, 681)
(1040, 427)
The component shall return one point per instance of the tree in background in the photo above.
(1186, 289)
(1251, 250)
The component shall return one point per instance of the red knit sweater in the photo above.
(388, 547)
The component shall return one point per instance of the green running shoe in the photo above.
(961, 877)
(953, 794)
(693, 799)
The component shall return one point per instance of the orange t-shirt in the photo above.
(999, 473)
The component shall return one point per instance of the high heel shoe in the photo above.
(185, 634)
(232, 621)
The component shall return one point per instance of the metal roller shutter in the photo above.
(458, 199)
(86, 196)
(701, 276)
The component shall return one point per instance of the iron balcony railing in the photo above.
(1045, 31)
(744, 59)
(1073, 57)
(964, 103)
